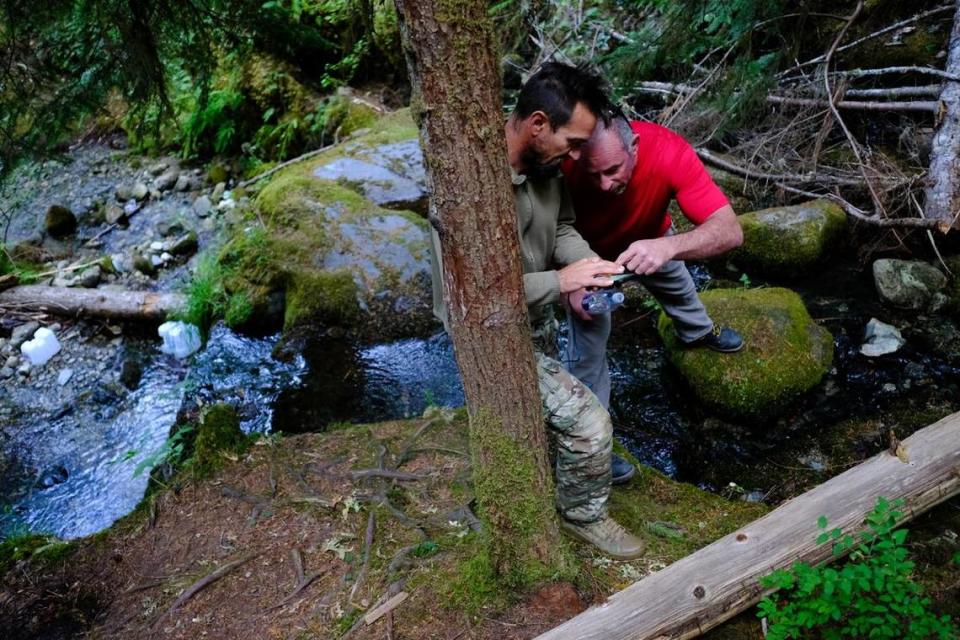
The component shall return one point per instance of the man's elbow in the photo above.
(736, 235)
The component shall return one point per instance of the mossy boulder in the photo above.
(907, 284)
(789, 240)
(59, 221)
(217, 434)
(785, 353)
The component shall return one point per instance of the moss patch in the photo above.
(37, 548)
(786, 353)
(218, 434)
(953, 287)
(789, 240)
(327, 296)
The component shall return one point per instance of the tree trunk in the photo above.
(456, 102)
(96, 303)
(943, 192)
(700, 591)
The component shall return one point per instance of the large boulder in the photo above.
(786, 353)
(59, 221)
(789, 240)
(907, 284)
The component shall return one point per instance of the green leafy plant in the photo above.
(872, 595)
(173, 450)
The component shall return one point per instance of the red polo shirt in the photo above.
(667, 168)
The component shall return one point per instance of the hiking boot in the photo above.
(621, 470)
(608, 536)
(722, 339)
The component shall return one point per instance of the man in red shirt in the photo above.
(627, 174)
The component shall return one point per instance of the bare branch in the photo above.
(928, 106)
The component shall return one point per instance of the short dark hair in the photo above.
(556, 88)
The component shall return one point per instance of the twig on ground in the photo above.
(367, 545)
(205, 582)
(386, 473)
(303, 580)
(408, 444)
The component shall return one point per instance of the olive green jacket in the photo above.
(547, 241)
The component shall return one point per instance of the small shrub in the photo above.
(872, 596)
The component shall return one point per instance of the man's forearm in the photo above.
(718, 234)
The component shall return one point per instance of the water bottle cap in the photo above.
(617, 297)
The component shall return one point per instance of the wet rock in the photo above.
(169, 228)
(202, 206)
(907, 284)
(390, 175)
(6, 372)
(64, 376)
(114, 214)
(158, 168)
(89, 278)
(139, 191)
(144, 265)
(218, 191)
(131, 191)
(184, 183)
(130, 373)
(880, 339)
(52, 477)
(786, 353)
(217, 173)
(59, 221)
(23, 332)
(790, 240)
(167, 180)
(12, 362)
(185, 245)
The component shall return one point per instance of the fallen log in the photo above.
(96, 303)
(700, 591)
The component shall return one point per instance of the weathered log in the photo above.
(943, 193)
(96, 303)
(705, 588)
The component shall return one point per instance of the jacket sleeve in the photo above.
(541, 288)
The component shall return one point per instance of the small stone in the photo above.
(156, 246)
(131, 208)
(167, 180)
(202, 206)
(144, 265)
(169, 228)
(24, 369)
(880, 339)
(64, 377)
(59, 221)
(6, 372)
(160, 167)
(218, 190)
(184, 183)
(165, 257)
(130, 373)
(12, 362)
(185, 245)
(124, 192)
(889, 387)
(139, 191)
(114, 214)
(89, 278)
(155, 260)
(23, 332)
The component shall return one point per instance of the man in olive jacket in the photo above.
(556, 113)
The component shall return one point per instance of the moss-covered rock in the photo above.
(336, 258)
(217, 434)
(786, 353)
(59, 221)
(789, 240)
(907, 284)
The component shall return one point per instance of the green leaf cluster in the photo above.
(873, 595)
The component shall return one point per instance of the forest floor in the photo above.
(301, 537)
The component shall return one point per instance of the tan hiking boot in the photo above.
(608, 536)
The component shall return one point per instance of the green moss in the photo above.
(346, 116)
(786, 353)
(953, 287)
(789, 240)
(327, 296)
(509, 507)
(293, 196)
(35, 547)
(219, 432)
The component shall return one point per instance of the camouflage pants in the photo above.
(582, 434)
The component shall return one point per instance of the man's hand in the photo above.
(588, 272)
(647, 256)
(574, 301)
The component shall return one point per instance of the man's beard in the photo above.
(535, 165)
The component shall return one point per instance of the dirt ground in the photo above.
(300, 537)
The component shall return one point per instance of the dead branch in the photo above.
(385, 608)
(928, 106)
(386, 473)
(303, 580)
(893, 92)
(284, 165)
(367, 545)
(930, 71)
(207, 580)
(797, 178)
(869, 218)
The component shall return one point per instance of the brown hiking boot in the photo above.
(608, 536)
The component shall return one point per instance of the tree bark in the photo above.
(456, 103)
(97, 303)
(700, 591)
(943, 193)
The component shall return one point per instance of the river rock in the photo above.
(218, 191)
(185, 245)
(184, 183)
(59, 221)
(6, 372)
(90, 277)
(217, 173)
(23, 332)
(167, 180)
(167, 228)
(114, 214)
(790, 240)
(880, 339)
(64, 376)
(202, 206)
(130, 373)
(144, 265)
(785, 354)
(907, 284)
(139, 191)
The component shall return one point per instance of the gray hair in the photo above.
(621, 126)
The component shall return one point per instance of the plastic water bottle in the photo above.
(602, 301)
